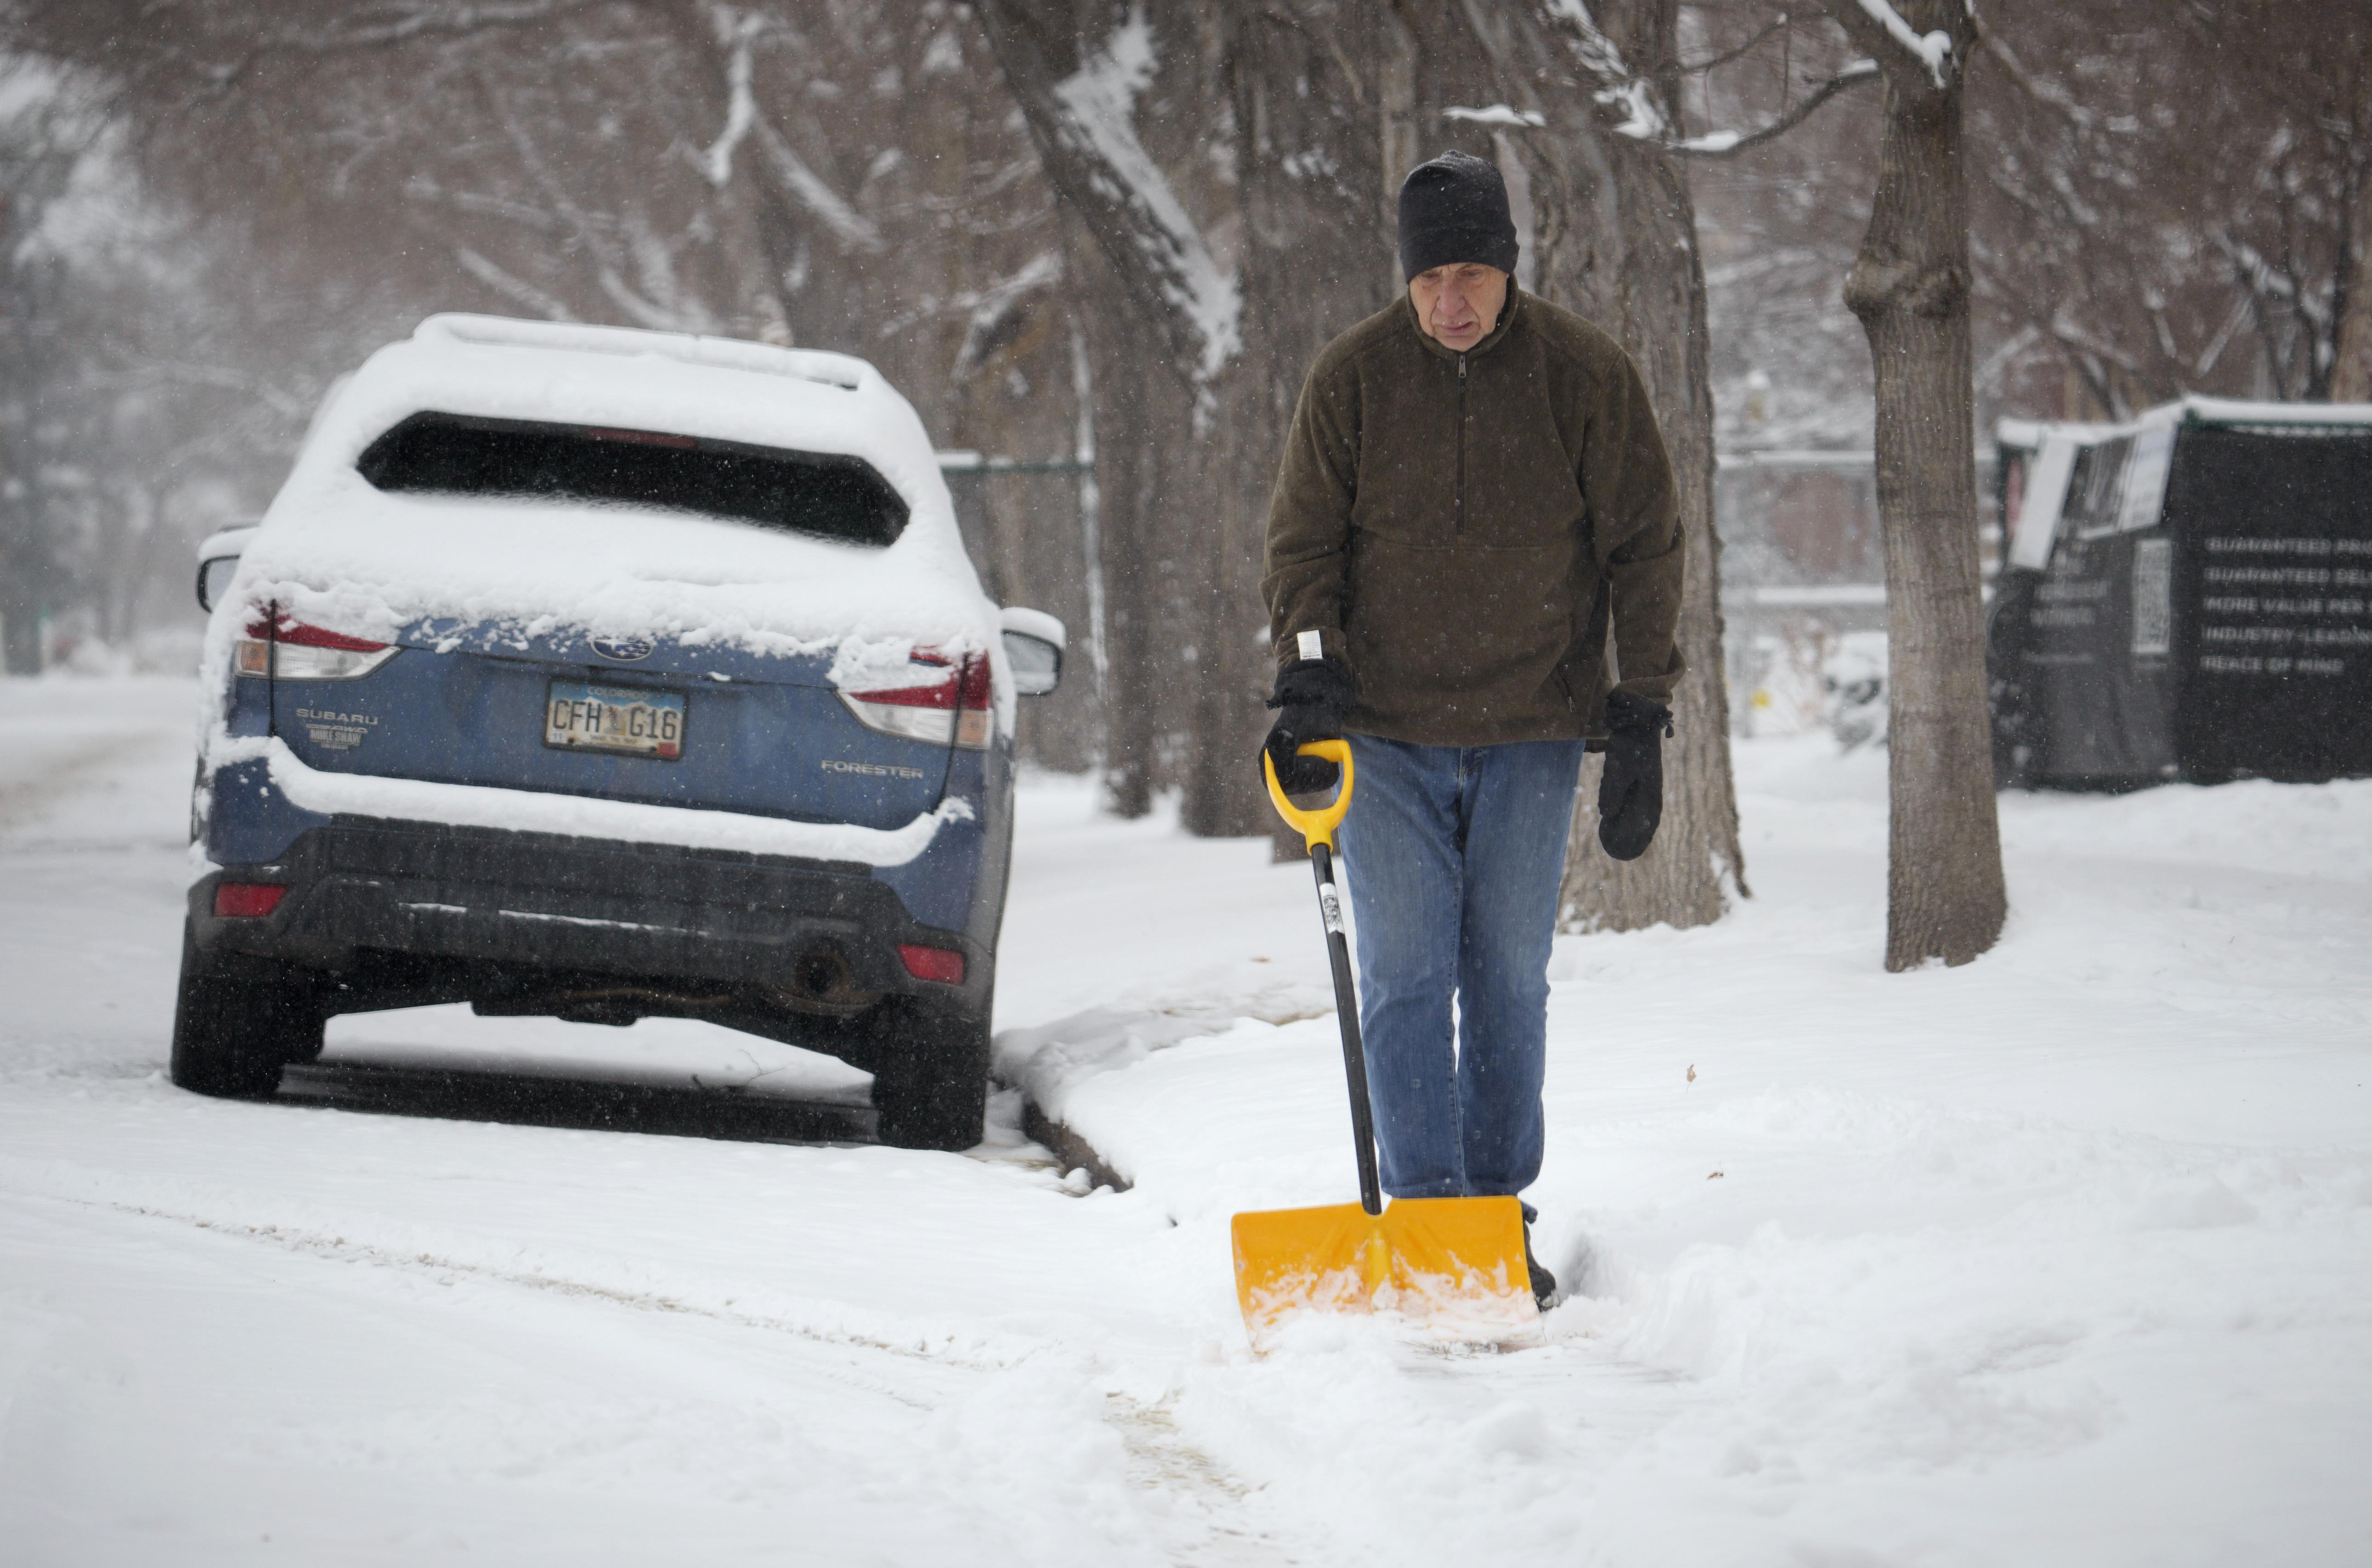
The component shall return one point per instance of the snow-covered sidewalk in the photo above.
(2060, 1258)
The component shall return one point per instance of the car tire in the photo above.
(930, 1075)
(239, 1019)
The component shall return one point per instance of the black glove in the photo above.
(1631, 791)
(1316, 695)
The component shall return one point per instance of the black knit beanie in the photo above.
(1455, 209)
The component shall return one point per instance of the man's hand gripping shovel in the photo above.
(1453, 1264)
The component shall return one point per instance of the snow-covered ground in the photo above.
(2064, 1256)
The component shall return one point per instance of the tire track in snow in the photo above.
(322, 1244)
(1162, 1460)
(1195, 1494)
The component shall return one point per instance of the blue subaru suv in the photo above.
(604, 674)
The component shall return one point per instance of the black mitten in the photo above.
(1631, 790)
(1315, 696)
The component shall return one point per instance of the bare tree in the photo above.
(1945, 898)
(2168, 192)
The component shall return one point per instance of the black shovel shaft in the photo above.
(1346, 1010)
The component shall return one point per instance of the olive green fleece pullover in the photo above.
(1457, 528)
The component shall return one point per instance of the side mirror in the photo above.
(218, 559)
(214, 576)
(1033, 648)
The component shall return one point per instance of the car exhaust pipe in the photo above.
(822, 982)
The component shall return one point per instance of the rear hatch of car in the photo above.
(629, 714)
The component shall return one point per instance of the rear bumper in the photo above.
(508, 906)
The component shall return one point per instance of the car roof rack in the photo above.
(841, 370)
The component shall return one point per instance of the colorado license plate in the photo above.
(615, 718)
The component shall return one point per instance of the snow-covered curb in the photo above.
(529, 811)
(1056, 1066)
(1048, 1065)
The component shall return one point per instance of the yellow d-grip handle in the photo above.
(1315, 826)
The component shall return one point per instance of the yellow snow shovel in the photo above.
(1453, 1264)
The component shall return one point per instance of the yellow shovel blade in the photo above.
(1453, 1264)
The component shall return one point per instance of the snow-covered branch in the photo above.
(1084, 121)
(391, 27)
(1918, 64)
(1934, 49)
(996, 312)
(738, 34)
(2265, 280)
(1498, 114)
(603, 252)
(1642, 111)
(850, 227)
(1737, 50)
(2042, 89)
(1099, 104)
(1631, 104)
(517, 290)
(1727, 144)
(386, 26)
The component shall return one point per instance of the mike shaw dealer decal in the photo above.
(336, 732)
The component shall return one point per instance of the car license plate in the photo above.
(631, 719)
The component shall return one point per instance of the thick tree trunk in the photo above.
(1910, 288)
(1615, 230)
(1220, 793)
(1136, 453)
(2351, 373)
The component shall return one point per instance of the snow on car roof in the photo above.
(566, 373)
(334, 548)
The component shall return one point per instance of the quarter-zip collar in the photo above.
(1483, 346)
(1458, 357)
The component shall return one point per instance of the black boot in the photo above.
(1544, 1285)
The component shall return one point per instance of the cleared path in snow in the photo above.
(2060, 1258)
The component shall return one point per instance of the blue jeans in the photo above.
(1455, 856)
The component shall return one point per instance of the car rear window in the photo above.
(810, 493)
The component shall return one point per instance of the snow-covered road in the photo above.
(2062, 1258)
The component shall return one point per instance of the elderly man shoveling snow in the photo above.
(1474, 493)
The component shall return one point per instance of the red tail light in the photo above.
(247, 901)
(297, 652)
(304, 636)
(940, 691)
(933, 963)
(952, 709)
(975, 684)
